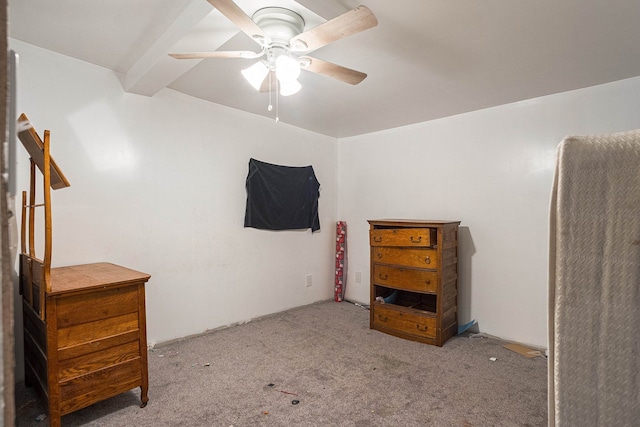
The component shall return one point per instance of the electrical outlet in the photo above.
(309, 280)
(358, 277)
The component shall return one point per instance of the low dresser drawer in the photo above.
(418, 257)
(403, 237)
(405, 278)
(403, 320)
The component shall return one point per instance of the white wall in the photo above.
(492, 170)
(158, 185)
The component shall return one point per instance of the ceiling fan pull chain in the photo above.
(277, 101)
(270, 107)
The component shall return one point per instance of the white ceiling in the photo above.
(426, 59)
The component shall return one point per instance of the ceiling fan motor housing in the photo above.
(280, 24)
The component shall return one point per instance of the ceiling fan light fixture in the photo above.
(256, 74)
(287, 69)
(290, 88)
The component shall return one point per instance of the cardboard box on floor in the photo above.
(523, 350)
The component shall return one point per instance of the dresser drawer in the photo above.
(419, 237)
(93, 306)
(405, 278)
(402, 319)
(407, 257)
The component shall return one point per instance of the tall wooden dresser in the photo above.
(84, 325)
(414, 279)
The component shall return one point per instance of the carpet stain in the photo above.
(392, 363)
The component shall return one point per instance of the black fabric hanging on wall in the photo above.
(281, 197)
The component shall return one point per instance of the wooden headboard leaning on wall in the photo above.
(35, 272)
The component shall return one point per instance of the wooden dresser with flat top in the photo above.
(84, 325)
(92, 344)
(414, 277)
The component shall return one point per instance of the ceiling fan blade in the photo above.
(246, 54)
(236, 15)
(330, 69)
(352, 22)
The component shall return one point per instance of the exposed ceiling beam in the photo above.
(154, 70)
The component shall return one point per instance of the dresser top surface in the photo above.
(411, 222)
(87, 276)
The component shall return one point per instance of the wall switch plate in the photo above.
(358, 277)
(309, 280)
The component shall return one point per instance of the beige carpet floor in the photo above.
(321, 365)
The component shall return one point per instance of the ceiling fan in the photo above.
(280, 34)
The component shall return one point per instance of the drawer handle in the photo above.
(377, 239)
(416, 241)
(379, 254)
(381, 318)
(383, 276)
(422, 328)
(427, 260)
(427, 281)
